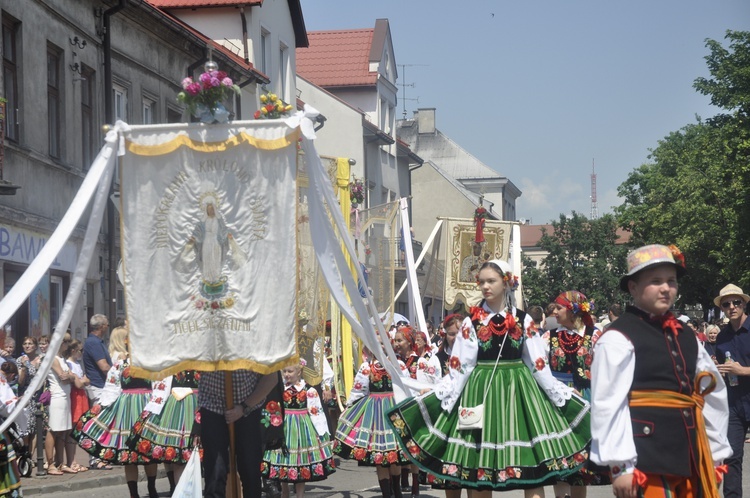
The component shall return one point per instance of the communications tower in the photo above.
(594, 208)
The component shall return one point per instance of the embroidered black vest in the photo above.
(570, 353)
(665, 438)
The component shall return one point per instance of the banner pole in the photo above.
(232, 484)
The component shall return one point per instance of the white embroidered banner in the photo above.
(209, 246)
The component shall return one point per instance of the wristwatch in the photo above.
(246, 409)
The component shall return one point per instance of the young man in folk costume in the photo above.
(659, 405)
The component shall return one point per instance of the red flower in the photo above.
(484, 333)
(392, 456)
(273, 407)
(134, 457)
(124, 456)
(305, 473)
(109, 454)
(515, 332)
(587, 361)
(539, 364)
(256, 115)
(377, 458)
(287, 396)
(157, 452)
(314, 410)
(414, 450)
(276, 420)
(186, 454)
(465, 331)
(359, 453)
(270, 107)
(480, 474)
(170, 454)
(454, 363)
(87, 443)
(511, 472)
(214, 305)
(96, 409)
(301, 396)
(477, 313)
(579, 458)
(144, 447)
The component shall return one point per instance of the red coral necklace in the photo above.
(569, 341)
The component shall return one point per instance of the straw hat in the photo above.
(730, 290)
(652, 255)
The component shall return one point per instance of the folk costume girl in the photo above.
(497, 357)
(363, 433)
(451, 326)
(569, 345)
(162, 434)
(10, 479)
(569, 350)
(103, 431)
(308, 453)
(425, 368)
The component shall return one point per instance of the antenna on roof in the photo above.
(404, 85)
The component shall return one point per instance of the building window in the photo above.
(149, 111)
(54, 100)
(120, 102)
(10, 77)
(88, 77)
(173, 115)
(283, 72)
(265, 51)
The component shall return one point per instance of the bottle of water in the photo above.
(731, 378)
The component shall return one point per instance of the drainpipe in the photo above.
(109, 117)
(244, 34)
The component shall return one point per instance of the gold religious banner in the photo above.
(464, 257)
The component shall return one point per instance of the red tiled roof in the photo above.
(337, 58)
(194, 4)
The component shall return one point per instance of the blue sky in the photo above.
(543, 87)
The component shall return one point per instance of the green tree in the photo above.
(695, 192)
(583, 255)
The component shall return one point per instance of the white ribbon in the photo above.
(97, 180)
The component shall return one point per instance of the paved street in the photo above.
(349, 481)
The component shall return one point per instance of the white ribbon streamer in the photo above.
(97, 180)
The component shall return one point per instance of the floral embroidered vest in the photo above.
(492, 336)
(295, 399)
(570, 353)
(380, 381)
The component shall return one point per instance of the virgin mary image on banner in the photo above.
(210, 246)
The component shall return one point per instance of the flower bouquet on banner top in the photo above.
(272, 107)
(356, 192)
(203, 98)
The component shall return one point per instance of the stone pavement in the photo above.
(46, 485)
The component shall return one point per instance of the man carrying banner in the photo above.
(249, 391)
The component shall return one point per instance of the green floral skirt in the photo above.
(526, 440)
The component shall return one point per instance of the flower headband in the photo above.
(302, 362)
(579, 304)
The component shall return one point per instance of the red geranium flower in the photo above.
(109, 454)
(392, 457)
(359, 453)
(314, 410)
(455, 363)
(539, 364)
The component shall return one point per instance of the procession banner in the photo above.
(464, 257)
(209, 246)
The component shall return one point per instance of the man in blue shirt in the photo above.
(96, 364)
(734, 339)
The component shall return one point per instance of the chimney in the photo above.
(426, 120)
